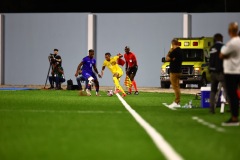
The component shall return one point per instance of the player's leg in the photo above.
(78, 79)
(133, 72)
(116, 77)
(90, 79)
(214, 89)
(96, 82)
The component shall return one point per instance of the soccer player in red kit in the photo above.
(131, 68)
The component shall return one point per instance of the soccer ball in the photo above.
(110, 93)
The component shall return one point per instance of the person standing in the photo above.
(57, 57)
(87, 65)
(174, 56)
(230, 53)
(131, 69)
(216, 70)
(112, 64)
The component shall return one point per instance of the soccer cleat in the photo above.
(129, 93)
(174, 105)
(124, 95)
(97, 94)
(136, 93)
(88, 92)
(231, 122)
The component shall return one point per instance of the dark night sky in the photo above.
(25, 6)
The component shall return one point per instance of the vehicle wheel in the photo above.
(182, 85)
(203, 82)
(165, 85)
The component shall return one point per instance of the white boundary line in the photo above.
(159, 141)
(54, 111)
(213, 126)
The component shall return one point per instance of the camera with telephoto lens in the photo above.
(52, 59)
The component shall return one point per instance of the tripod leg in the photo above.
(47, 75)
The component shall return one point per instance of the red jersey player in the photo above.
(131, 68)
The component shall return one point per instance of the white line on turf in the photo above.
(58, 111)
(157, 138)
(213, 126)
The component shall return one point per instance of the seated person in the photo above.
(81, 79)
(57, 77)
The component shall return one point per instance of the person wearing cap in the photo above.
(131, 69)
(87, 65)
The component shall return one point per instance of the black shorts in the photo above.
(132, 70)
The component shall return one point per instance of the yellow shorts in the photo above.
(120, 72)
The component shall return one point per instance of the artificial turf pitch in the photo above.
(59, 125)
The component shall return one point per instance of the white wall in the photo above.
(30, 37)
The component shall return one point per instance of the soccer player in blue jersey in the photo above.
(87, 65)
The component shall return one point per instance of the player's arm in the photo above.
(225, 52)
(58, 59)
(169, 56)
(126, 64)
(96, 71)
(134, 60)
(78, 69)
(119, 55)
(103, 67)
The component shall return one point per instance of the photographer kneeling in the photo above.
(57, 76)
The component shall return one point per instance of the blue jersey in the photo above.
(88, 63)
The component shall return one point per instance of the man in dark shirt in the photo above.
(57, 57)
(56, 61)
(174, 56)
(216, 70)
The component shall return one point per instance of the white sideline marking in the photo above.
(159, 141)
(213, 126)
(54, 111)
(165, 104)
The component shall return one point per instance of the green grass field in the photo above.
(60, 125)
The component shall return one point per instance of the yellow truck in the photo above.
(195, 53)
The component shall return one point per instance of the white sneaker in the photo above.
(88, 92)
(174, 105)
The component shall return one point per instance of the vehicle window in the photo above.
(192, 54)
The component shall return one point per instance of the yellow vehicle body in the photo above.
(195, 53)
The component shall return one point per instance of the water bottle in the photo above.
(190, 104)
(185, 106)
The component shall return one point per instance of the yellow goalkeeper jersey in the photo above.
(112, 65)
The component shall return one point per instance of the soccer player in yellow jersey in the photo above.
(112, 65)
